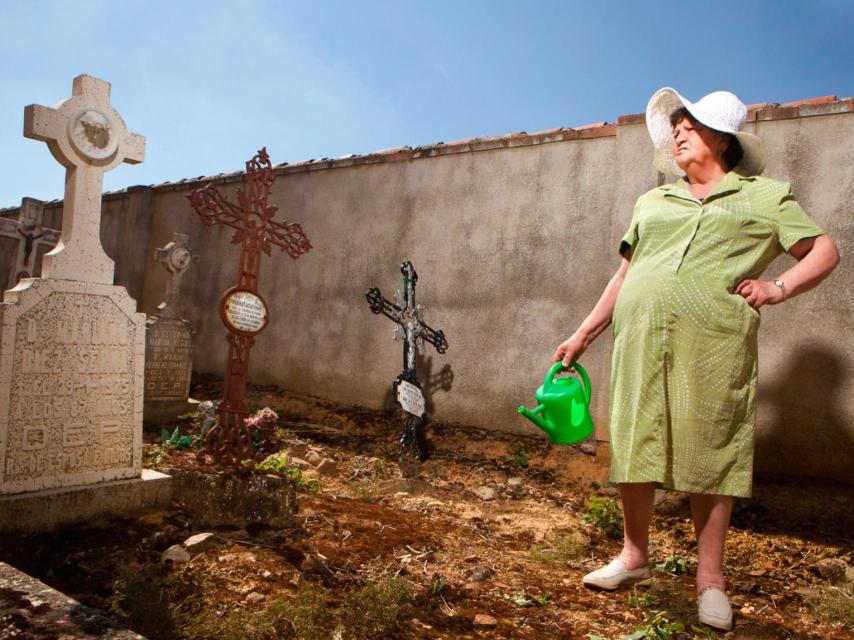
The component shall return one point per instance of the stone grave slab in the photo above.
(70, 404)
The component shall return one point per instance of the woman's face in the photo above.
(695, 145)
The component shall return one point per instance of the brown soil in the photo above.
(369, 523)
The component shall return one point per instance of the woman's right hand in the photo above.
(571, 348)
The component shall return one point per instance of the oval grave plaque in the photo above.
(244, 311)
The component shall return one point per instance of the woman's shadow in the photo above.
(804, 449)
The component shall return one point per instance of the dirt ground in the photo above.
(506, 565)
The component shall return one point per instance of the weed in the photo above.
(642, 600)
(834, 603)
(519, 599)
(277, 463)
(658, 627)
(559, 548)
(366, 489)
(605, 515)
(525, 600)
(518, 457)
(674, 565)
(437, 584)
(234, 624)
(303, 618)
(378, 470)
(375, 610)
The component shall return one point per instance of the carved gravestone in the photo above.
(23, 243)
(169, 342)
(72, 350)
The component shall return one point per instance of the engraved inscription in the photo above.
(168, 360)
(245, 311)
(72, 399)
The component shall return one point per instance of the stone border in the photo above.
(52, 509)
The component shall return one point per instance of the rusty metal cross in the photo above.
(242, 309)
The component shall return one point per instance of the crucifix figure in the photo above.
(31, 239)
(413, 331)
(176, 259)
(88, 137)
(242, 309)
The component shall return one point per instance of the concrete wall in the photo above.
(513, 239)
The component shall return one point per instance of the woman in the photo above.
(685, 305)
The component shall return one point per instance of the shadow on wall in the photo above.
(805, 427)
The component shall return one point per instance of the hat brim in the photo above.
(667, 100)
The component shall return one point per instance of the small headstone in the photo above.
(514, 482)
(168, 343)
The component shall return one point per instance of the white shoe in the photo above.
(714, 609)
(613, 575)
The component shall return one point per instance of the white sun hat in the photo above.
(720, 110)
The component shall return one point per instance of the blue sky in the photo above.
(208, 83)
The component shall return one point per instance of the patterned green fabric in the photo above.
(683, 385)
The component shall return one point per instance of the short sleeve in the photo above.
(627, 244)
(793, 223)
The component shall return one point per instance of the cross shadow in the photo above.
(442, 380)
(430, 383)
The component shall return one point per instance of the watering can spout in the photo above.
(535, 417)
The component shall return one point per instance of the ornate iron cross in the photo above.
(243, 310)
(412, 329)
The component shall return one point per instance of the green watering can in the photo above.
(564, 411)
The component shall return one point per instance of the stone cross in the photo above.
(22, 241)
(176, 259)
(72, 344)
(413, 331)
(88, 137)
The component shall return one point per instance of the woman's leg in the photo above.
(711, 520)
(637, 500)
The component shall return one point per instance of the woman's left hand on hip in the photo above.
(759, 292)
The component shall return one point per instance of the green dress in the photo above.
(683, 384)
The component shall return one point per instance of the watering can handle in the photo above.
(556, 369)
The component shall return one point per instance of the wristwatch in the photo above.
(782, 286)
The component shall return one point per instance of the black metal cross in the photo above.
(412, 329)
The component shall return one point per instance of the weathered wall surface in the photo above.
(513, 239)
